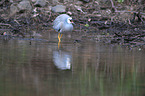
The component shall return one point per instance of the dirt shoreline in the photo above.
(107, 23)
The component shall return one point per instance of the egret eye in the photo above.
(69, 20)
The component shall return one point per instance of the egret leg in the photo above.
(58, 45)
(59, 37)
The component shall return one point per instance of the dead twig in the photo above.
(6, 25)
(113, 5)
(17, 22)
(49, 15)
(129, 12)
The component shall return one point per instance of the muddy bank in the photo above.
(109, 22)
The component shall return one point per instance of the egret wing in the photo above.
(58, 26)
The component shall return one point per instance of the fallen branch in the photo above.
(6, 25)
(113, 5)
(129, 12)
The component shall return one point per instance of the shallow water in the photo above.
(86, 68)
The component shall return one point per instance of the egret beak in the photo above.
(72, 21)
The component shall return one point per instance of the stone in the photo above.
(40, 3)
(54, 1)
(67, 1)
(79, 2)
(24, 6)
(86, 1)
(11, 1)
(13, 9)
(34, 0)
(59, 8)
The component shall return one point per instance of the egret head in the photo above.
(63, 23)
(69, 20)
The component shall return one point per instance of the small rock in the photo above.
(5, 33)
(139, 49)
(13, 9)
(64, 1)
(34, 0)
(11, 1)
(70, 13)
(79, 9)
(40, 3)
(85, 1)
(59, 8)
(79, 2)
(24, 6)
(54, 1)
(108, 11)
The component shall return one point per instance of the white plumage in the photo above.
(63, 23)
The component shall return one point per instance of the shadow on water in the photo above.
(81, 69)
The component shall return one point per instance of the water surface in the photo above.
(86, 68)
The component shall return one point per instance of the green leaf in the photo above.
(120, 1)
(87, 25)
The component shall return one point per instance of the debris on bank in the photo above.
(122, 22)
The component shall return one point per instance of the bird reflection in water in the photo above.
(62, 59)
